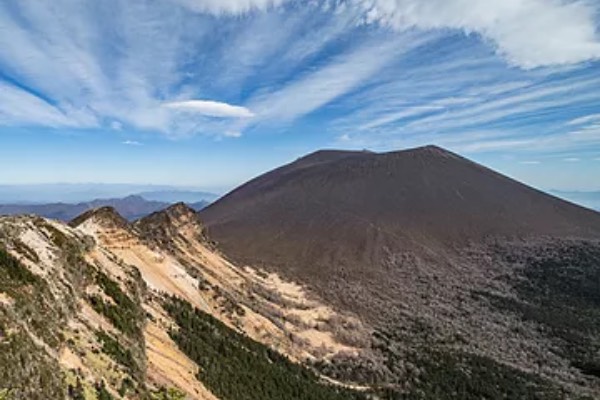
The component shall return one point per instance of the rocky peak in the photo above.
(171, 217)
(162, 227)
(105, 216)
(180, 211)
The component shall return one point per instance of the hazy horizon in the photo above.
(83, 192)
(75, 193)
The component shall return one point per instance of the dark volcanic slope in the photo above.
(348, 207)
(438, 254)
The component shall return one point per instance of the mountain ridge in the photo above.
(369, 298)
(104, 319)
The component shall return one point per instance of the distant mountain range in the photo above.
(177, 196)
(130, 207)
(83, 192)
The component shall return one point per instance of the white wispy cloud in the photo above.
(585, 119)
(135, 63)
(543, 96)
(492, 145)
(399, 115)
(210, 108)
(19, 107)
(571, 159)
(132, 143)
(229, 6)
(310, 92)
(530, 162)
(233, 133)
(519, 28)
(344, 138)
(105, 72)
(421, 107)
(252, 46)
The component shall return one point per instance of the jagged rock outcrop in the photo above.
(164, 228)
(87, 309)
(106, 216)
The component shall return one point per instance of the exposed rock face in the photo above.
(105, 216)
(85, 307)
(164, 227)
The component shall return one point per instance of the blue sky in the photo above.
(209, 93)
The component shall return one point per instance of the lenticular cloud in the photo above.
(210, 108)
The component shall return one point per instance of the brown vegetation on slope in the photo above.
(409, 241)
